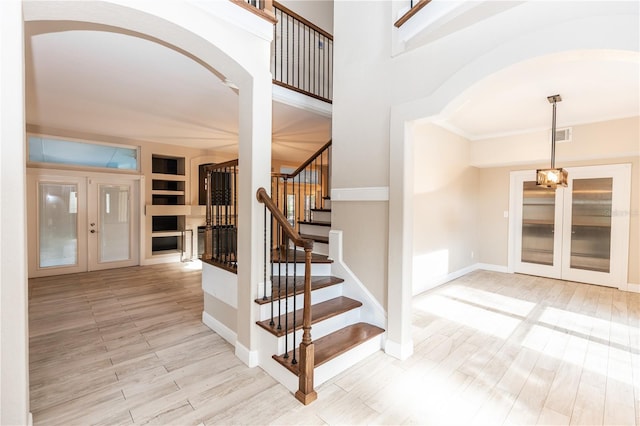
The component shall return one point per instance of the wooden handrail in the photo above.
(266, 12)
(264, 198)
(305, 393)
(415, 9)
(308, 23)
(215, 166)
(311, 159)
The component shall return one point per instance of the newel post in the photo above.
(306, 394)
(208, 230)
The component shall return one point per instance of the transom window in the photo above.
(87, 154)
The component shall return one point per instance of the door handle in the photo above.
(92, 224)
(93, 231)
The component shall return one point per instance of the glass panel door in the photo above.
(579, 233)
(591, 224)
(112, 224)
(596, 229)
(538, 220)
(56, 219)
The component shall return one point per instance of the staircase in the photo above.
(317, 229)
(341, 338)
(289, 314)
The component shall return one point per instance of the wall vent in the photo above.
(562, 135)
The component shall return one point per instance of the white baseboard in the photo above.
(171, 258)
(223, 331)
(250, 358)
(631, 287)
(401, 351)
(438, 281)
(492, 267)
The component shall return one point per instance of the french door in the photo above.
(79, 223)
(578, 233)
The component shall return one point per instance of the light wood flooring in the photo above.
(127, 346)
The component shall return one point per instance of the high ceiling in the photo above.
(108, 83)
(595, 85)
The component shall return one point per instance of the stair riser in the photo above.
(347, 360)
(317, 296)
(318, 330)
(321, 248)
(315, 230)
(317, 269)
(321, 216)
(327, 204)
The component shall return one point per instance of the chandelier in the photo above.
(552, 177)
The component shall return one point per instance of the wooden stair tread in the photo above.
(314, 222)
(334, 344)
(316, 238)
(297, 286)
(299, 257)
(320, 312)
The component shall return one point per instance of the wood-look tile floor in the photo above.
(127, 346)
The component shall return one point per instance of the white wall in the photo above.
(14, 362)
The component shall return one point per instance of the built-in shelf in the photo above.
(165, 164)
(167, 209)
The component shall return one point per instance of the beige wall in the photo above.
(227, 315)
(364, 225)
(445, 231)
(605, 139)
(319, 12)
(615, 142)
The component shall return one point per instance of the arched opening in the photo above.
(437, 122)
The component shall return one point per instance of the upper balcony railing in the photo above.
(414, 7)
(301, 52)
(301, 55)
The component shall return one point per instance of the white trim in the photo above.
(222, 330)
(250, 358)
(630, 287)
(398, 350)
(298, 100)
(459, 273)
(377, 193)
(438, 281)
(220, 284)
(30, 419)
(492, 267)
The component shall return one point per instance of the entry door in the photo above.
(79, 224)
(112, 225)
(579, 233)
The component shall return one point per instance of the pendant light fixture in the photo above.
(553, 177)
